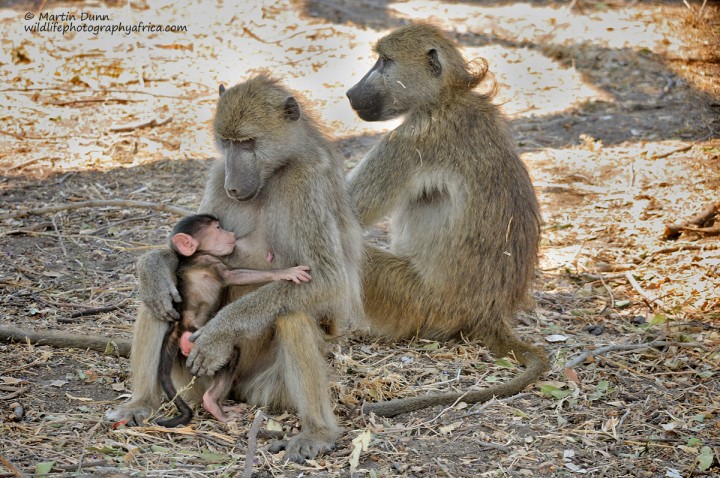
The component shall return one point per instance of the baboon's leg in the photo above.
(147, 393)
(148, 336)
(301, 354)
(219, 388)
(399, 305)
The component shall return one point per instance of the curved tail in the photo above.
(168, 354)
(534, 359)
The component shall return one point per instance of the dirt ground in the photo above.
(616, 110)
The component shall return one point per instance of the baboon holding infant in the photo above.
(279, 185)
(464, 218)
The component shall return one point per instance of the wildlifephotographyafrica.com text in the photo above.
(92, 23)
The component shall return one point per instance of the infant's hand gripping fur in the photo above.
(158, 291)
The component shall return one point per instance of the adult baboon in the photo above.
(465, 220)
(281, 185)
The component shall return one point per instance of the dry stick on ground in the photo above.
(10, 466)
(26, 163)
(252, 443)
(612, 348)
(153, 123)
(100, 203)
(684, 247)
(696, 223)
(61, 339)
(641, 291)
(681, 149)
(703, 231)
(94, 311)
(478, 410)
(16, 393)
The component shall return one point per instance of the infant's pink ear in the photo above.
(185, 244)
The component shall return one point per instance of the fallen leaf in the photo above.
(447, 429)
(572, 375)
(556, 338)
(79, 399)
(706, 458)
(42, 469)
(360, 444)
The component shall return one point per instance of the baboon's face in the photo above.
(243, 172)
(253, 131)
(398, 83)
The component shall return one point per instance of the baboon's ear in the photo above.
(434, 62)
(291, 109)
(185, 244)
(222, 89)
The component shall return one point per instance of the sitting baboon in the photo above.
(202, 277)
(464, 218)
(281, 184)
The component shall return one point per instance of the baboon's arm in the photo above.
(158, 283)
(253, 313)
(377, 182)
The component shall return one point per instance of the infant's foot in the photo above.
(185, 345)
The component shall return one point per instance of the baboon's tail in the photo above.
(534, 359)
(168, 354)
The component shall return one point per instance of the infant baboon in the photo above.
(464, 218)
(280, 184)
(201, 243)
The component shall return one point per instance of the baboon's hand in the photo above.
(212, 350)
(156, 272)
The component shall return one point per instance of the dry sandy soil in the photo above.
(615, 107)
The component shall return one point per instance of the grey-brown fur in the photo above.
(465, 221)
(289, 197)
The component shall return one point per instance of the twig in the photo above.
(153, 123)
(14, 135)
(60, 239)
(93, 100)
(685, 247)
(10, 466)
(252, 443)
(88, 436)
(703, 231)
(444, 468)
(116, 224)
(448, 408)
(95, 310)
(26, 163)
(641, 291)
(58, 338)
(616, 347)
(485, 405)
(16, 393)
(671, 152)
(100, 203)
(699, 221)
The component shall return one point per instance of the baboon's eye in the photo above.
(248, 143)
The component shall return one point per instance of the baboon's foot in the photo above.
(134, 414)
(304, 446)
